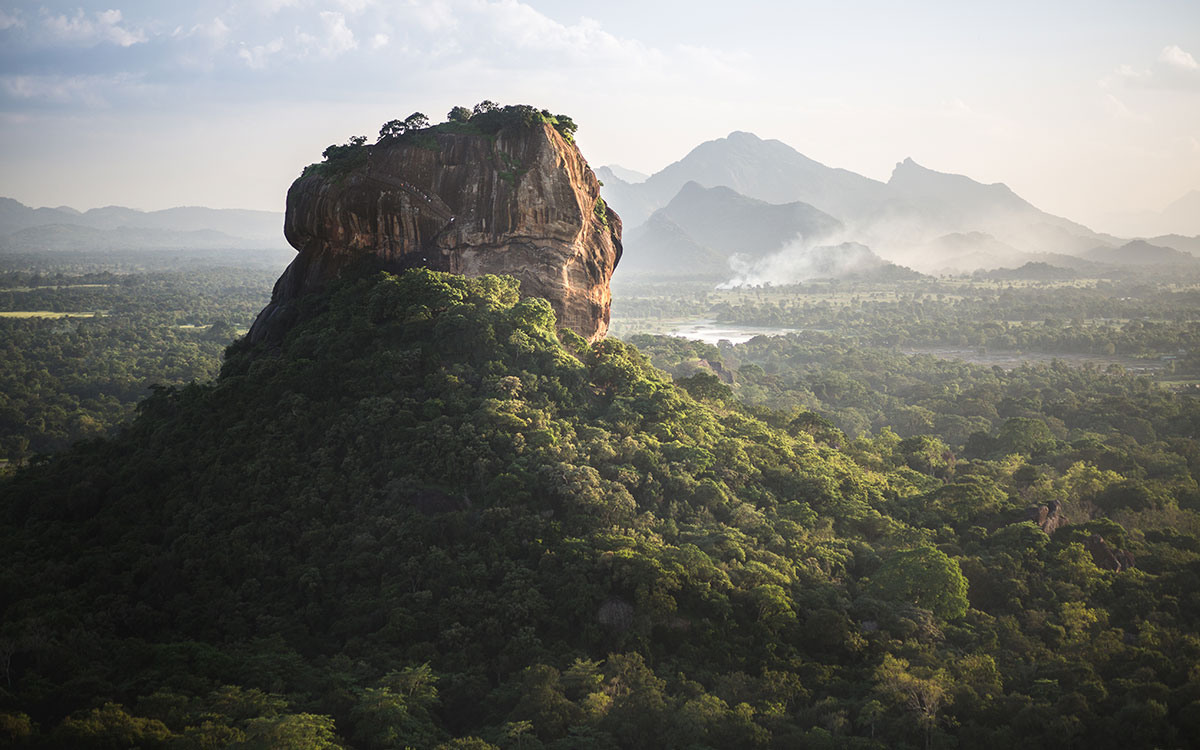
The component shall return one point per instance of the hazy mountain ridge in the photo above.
(940, 202)
(1179, 242)
(769, 170)
(929, 220)
(1181, 217)
(72, 237)
(704, 231)
(617, 172)
(665, 249)
(26, 229)
(1031, 271)
(1139, 253)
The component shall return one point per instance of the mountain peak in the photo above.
(911, 169)
(910, 175)
(617, 172)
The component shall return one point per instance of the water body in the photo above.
(710, 332)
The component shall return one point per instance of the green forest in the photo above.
(431, 519)
(79, 350)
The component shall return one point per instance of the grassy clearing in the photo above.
(53, 286)
(46, 314)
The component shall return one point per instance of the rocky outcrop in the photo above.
(1106, 557)
(522, 202)
(1048, 517)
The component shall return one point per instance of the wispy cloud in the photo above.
(1174, 57)
(257, 56)
(271, 7)
(11, 20)
(90, 90)
(354, 6)
(1175, 69)
(1120, 110)
(99, 27)
(215, 30)
(334, 40)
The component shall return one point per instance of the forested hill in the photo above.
(429, 519)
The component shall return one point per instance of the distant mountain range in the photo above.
(701, 229)
(25, 229)
(770, 171)
(736, 200)
(1180, 217)
(726, 208)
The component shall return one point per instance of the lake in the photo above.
(710, 332)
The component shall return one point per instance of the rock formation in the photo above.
(1048, 517)
(1106, 557)
(522, 201)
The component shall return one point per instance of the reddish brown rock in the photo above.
(523, 202)
(1106, 557)
(1048, 517)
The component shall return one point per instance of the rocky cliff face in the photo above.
(522, 202)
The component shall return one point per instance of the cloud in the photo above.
(103, 26)
(1121, 111)
(1175, 69)
(379, 41)
(354, 6)
(437, 15)
(256, 57)
(198, 46)
(271, 7)
(215, 31)
(335, 40)
(89, 90)
(11, 20)
(1175, 57)
(519, 29)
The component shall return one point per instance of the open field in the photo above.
(48, 314)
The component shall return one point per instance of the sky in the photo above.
(1089, 110)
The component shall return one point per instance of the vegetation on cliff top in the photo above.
(487, 118)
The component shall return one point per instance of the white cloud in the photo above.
(957, 107)
(354, 6)
(520, 27)
(104, 26)
(88, 90)
(215, 30)
(271, 7)
(1175, 69)
(11, 20)
(256, 57)
(1121, 111)
(1175, 57)
(197, 46)
(379, 41)
(335, 40)
(437, 15)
